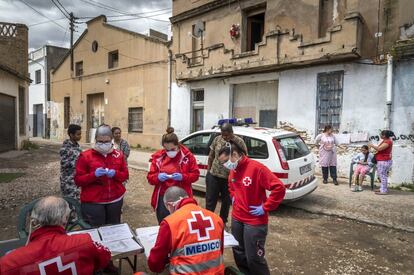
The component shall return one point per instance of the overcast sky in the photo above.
(43, 31)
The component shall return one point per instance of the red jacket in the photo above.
(385, 154)
(160, 253)
(248, 185)
(187, 166)
(102, 189)
(50, 248)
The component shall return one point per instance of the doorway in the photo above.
(38, 120)
(7, 123)
(95, 114)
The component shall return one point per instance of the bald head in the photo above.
(174, 193)
(50, 211)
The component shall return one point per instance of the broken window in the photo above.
(135, 120)
(22, 111)
(113, 59)
(38, 76)
(329, 102)
(325, 16)
(66, 112)
(254, 28)
(79, 68)
(197, 34)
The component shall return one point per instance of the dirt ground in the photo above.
(298, 242)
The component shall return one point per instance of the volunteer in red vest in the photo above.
(49, 250)
(174, 165)
(248, 182)
(100, 172)
(190, 239)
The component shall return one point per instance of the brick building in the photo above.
(14, 81)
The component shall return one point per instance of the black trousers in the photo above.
(215, 187)
(162, 211)
(249, 255)
(101, 214)
(329, 170)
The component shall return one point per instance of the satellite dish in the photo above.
(199, 29)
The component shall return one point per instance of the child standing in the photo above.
(364, 164)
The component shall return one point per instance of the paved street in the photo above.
(299, 242)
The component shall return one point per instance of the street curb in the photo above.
(370, 222)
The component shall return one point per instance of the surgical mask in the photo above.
(172, 154)
(231, 165)
(103, 147)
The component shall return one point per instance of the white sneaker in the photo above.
(360, 188)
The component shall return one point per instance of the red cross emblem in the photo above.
(55, 266)
(247, 181)
(200, 225)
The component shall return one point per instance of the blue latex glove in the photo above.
(257, 210)
(177, 176)
(163, 177)
(99, 172)
(110, 173)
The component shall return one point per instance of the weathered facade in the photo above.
(119, 78)
(41, 63)
(300, 65)
(14, 80)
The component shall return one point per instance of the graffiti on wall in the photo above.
(402, 137)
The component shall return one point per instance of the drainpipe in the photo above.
(169, 85)
(389, 92)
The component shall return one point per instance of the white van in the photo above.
(283, 152)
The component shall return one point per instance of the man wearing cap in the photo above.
(217, 174)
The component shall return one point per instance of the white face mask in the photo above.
(103, 147)
(172, 154)
(231, 165)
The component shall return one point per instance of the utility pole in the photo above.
(72, 29)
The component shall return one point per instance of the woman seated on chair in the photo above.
(364, 165)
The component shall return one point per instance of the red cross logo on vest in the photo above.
(55, 266)
(200, 225)
(247, 181)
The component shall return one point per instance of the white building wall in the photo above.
(363, 108)
(37, 92)
(180, 109)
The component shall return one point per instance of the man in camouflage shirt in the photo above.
(69, 153)
(217, 174)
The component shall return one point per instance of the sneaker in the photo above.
(354, 188)
(360, 188)
(335, 182)
(325, 181)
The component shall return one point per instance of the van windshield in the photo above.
(293, 147)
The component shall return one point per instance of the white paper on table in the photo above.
(115, 232)
(92, 232)
(122, 246)
(229, 240)
(148, 236)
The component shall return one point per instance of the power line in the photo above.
(61, 8)
(38, 12)
(43, 22)
(133, 14)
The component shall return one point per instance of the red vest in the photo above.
(197, 241)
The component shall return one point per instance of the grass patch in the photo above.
(8, 177)
(27, 145)
(404, 187)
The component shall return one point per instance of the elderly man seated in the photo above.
(49, 250)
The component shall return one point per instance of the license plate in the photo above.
(305, 169)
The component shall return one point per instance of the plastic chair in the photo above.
(371, 174)
(73, 222)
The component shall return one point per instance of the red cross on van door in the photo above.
(200, 225)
